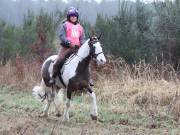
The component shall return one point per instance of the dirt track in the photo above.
(32, 125)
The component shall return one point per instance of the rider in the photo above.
(72, 37)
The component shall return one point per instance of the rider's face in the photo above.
(73, 19)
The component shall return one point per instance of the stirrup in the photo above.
(91, 84)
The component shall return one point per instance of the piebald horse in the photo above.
(73, 76)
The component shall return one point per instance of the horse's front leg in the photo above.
(67, 105)
(93, 112)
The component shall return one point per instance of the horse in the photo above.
(73, 76)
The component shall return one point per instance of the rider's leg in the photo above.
(59, 62)
(55, 66)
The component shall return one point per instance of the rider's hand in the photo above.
(74, 47)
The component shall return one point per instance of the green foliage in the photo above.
(87, 27)
(125, 34)
(39, 34)
(138, 31)
(168, 28)
(33, 39)
(143, 31)
(8, 46)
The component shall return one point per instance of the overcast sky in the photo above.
(110, 0)
(99, 1)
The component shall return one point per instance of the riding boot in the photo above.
(62, 56)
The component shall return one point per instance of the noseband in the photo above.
(95, 55)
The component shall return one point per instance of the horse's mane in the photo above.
(77, 53)
(83, 46)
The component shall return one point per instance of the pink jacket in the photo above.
(71, 34)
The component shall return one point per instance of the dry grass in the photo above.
(146, 86)
(140, 98)
(140, 79)
(150, 88)
(23, 77)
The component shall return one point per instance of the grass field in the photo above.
(19, 115)
(138, 100)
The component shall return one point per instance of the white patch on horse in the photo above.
(72, 63)
(50, 70)
(53, 58)
(100, 58)
(66, 112)
(94, 111)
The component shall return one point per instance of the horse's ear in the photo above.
(89, 36)
(99, 36)
(92, 32)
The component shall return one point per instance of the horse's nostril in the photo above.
(101, 60)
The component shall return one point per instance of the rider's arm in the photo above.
(62, 35)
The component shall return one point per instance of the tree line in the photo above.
(139, 31)
(143, 31)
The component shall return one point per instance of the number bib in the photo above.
(73, 33)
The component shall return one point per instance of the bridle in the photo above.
(96, 55)
(92, 41)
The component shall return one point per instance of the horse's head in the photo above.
(96, 49)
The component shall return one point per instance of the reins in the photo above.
(90, 43)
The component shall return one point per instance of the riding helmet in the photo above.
(72, 11)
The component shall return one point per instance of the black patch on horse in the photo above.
(81, 80)
(45, 73)
(61, 63)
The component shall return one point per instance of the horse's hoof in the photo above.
(58, 115)
(65, 120)
(43, 115)
(93, 117)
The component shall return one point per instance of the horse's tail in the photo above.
(39, 91)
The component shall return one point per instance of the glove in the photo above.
(74, 47)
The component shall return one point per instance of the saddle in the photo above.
(59, 64)
(74, 50)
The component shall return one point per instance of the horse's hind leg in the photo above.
(57, 111)
(94, 112)
(46, 108)
(49, 100)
